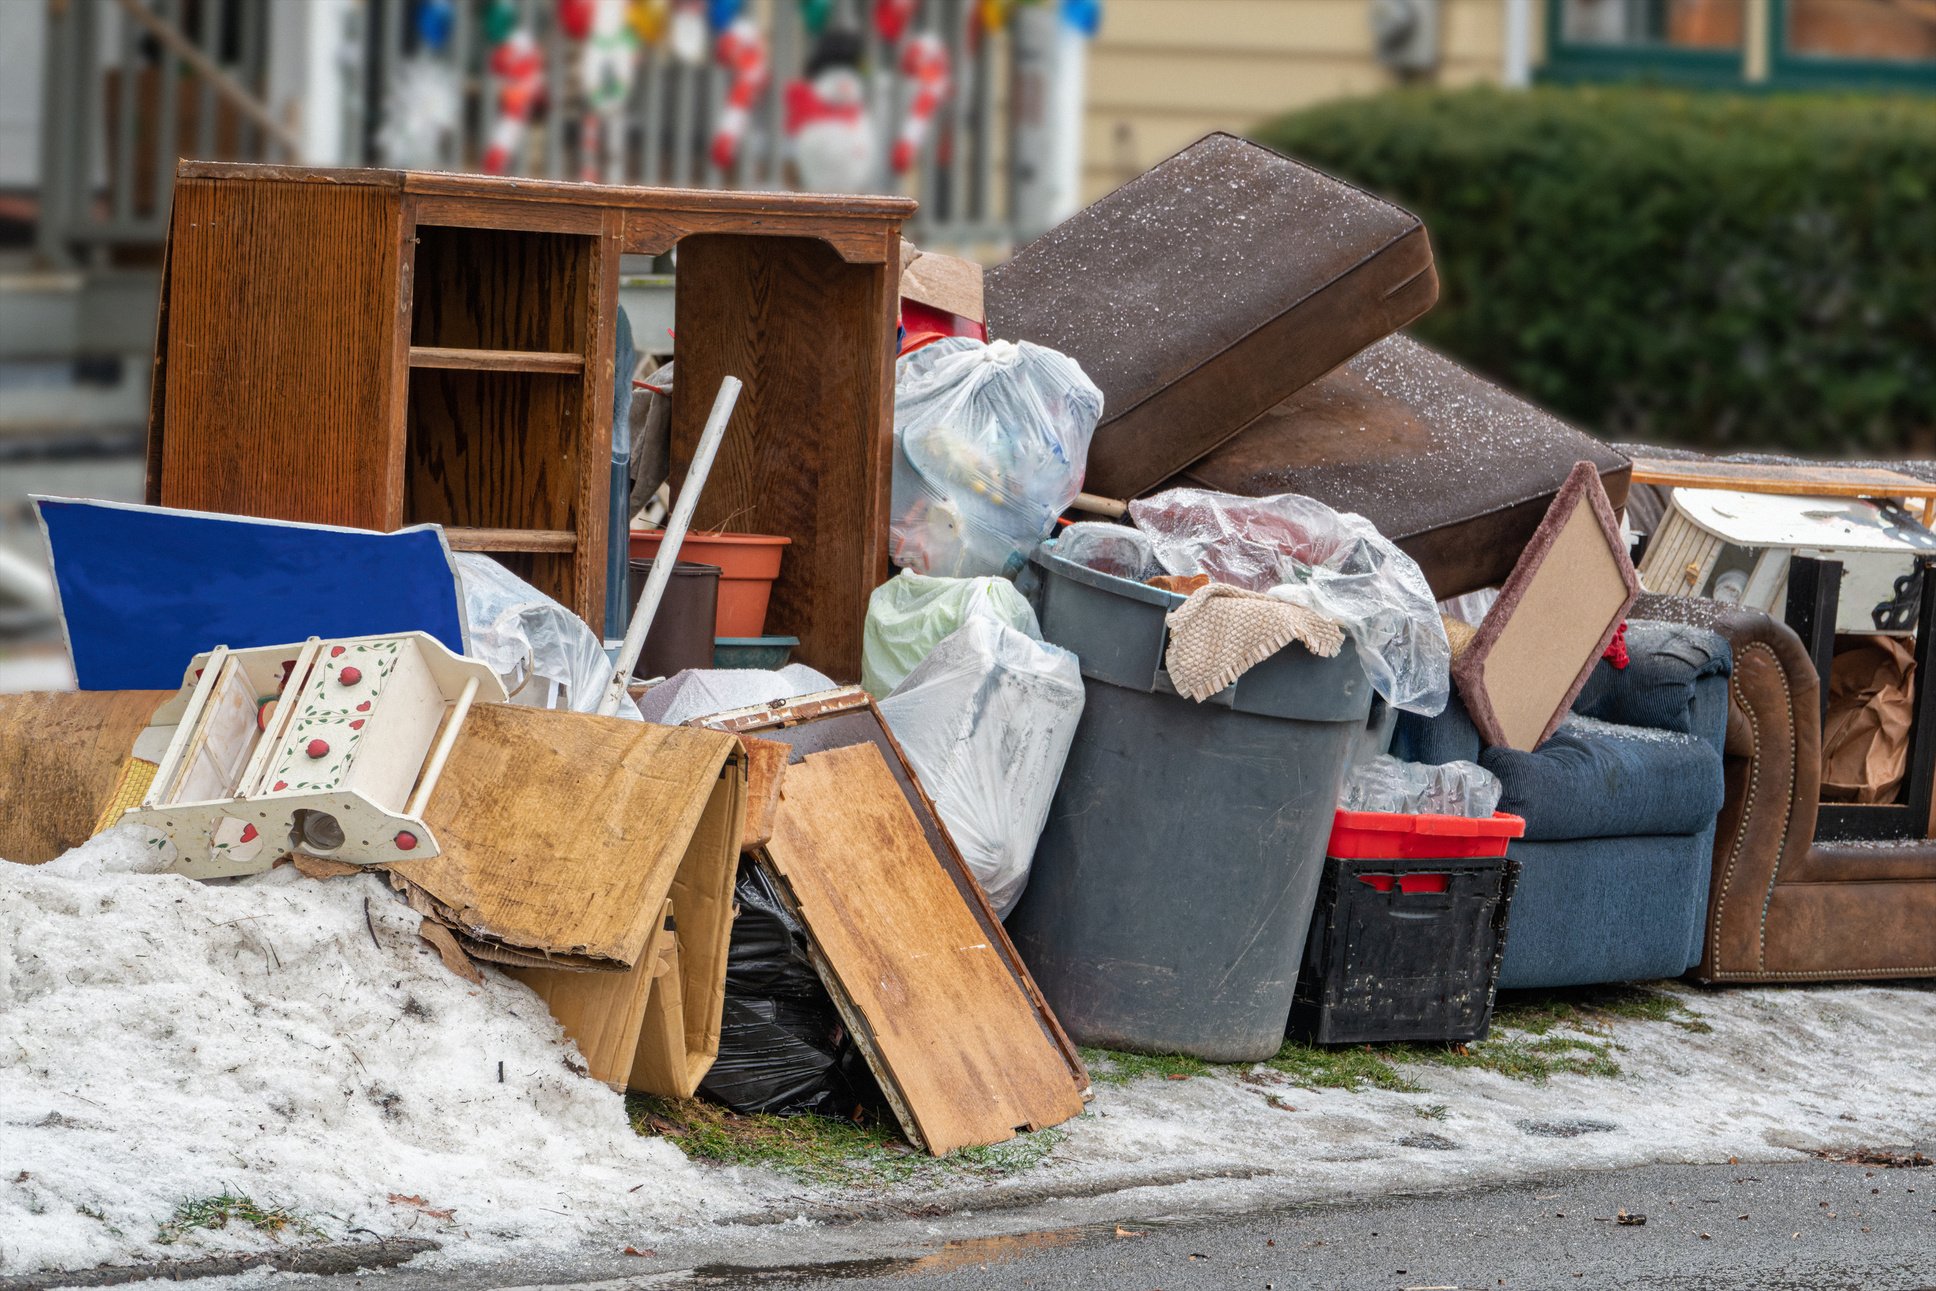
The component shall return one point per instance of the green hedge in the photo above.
(1704, 268)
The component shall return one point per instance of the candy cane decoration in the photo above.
(924, 61)
(518, 62)
(742, 52)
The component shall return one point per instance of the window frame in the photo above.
(1573, 62)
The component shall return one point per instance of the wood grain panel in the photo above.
(808, 452)
(61, 755)
(496, 289)
(281, 322)
(951, 1037)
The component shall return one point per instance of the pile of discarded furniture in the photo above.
(1143, 645)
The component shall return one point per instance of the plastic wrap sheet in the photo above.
(1421, 789)
(546, 656)
(909, 614)
(782, 1046)
(1109, 549)
(987, 720)
(1298, 548)
(701, 692)
(990, 444)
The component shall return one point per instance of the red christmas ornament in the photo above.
(317, 748)
(350, 676)
(406, 841)
(891, 18)
(575, 18)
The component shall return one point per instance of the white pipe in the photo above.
(1518, 70)
(675, 537)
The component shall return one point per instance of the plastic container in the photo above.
(1406, 949)
(1174, 882)
(682, 631)
(771, 653)
(1382, 835)
(748, 563)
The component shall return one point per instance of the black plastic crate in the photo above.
(1404, 965)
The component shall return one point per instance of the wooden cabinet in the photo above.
(383, 348)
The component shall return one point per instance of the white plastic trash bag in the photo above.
(701, 692)
(990, 445)
(546, 656)
(909, 614)
(986, 721)
(1300, 550)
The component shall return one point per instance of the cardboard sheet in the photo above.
(61, 756)
(1555, 615)
(957, 1046)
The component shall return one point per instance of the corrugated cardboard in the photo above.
(947, 283)
(574, 843)
(1203, 292)
(1455, 470)
(61, 757)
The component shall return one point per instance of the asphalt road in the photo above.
(1814, 1226)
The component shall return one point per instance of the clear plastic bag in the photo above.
(1335, 562)
(1421, 789)
(1109, 549)
(990, 445)
(909, 614)
(701, 692)
(546, 656)
(987, 720)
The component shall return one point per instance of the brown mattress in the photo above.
(1453, 469)
(1204, 291)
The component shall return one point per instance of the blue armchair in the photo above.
(1620, 807)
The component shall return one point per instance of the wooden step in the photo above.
(552, 361)
(553, 540)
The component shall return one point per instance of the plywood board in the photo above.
(563, 833)
(61, 756)
(1801, 479)
(1553, 620)
(766, 762)
(955, 1043)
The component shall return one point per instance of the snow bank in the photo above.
(294, 1041)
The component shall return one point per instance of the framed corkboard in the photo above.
(1559, 608)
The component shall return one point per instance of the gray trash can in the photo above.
(1174, 882)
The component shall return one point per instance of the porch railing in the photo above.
(134, 84)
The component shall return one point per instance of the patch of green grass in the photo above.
(1595, 1009)
(1347, 1068)
(821, 1149)
(216, 1212)
(1113, 1067)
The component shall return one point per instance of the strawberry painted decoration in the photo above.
(348, 781)
(742, 52)
(827, 122)
(924, 61)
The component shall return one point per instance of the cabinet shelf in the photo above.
(462, 538)
(442, 356)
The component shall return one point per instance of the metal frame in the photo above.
(1909, 817)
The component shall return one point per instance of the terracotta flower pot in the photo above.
(748, 564)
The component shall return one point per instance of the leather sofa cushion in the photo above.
(1593, 779)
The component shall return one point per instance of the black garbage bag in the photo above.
(782, 1046)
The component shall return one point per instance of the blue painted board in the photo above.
(145, 589)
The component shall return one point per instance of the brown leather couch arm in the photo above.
(1773, 771)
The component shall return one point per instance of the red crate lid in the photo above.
(1377, 835)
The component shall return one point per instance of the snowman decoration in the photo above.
(834, 142)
